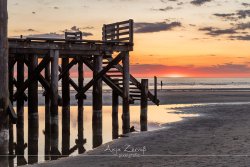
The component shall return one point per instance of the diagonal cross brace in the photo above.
(68, 67)
(41, 79)
(71, 82)
(33, 77)
(137, 84)
(102, 73)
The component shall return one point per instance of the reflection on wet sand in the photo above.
(74, 138)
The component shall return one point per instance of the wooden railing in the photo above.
(120, 32)
(73, 35)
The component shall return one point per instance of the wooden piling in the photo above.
(80, 141)
(33, 123)
(65, 109)
(4, 88)
(155, 87)
(47, 114)
(144, 105)
(54, 102)
(11, 140)
(97, 104)
(126, 79)
(115, 107)
(20, 110)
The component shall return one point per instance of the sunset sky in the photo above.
(173, 38)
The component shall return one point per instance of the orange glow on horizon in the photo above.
(175, 75)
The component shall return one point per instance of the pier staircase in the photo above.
(112, 73)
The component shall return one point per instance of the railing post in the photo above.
(144, 105)
(131, 31)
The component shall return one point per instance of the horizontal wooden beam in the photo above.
(109, 46)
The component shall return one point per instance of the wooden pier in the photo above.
(49, 61)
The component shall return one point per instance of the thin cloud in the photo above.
(246, 4)
(144, 27)
(199, 2)
(243, 26)
(240, 37)
(242, 14)
(216, 32)
(164, 9)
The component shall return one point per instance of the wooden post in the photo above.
(144, 105)
(97, 104)
(126, 79)
(80, 141)
(155, 86)
(20, 111)
(4, 88)
(65, 109)
(115, 122)
(11, 141)
(47, 114)
(33, 124)
(54, 102)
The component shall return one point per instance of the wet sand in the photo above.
(219, 137)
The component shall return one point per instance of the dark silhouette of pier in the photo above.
(49, 62)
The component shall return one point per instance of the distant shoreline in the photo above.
(176, 96)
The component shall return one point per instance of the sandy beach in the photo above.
(218, 137)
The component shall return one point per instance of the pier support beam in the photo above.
(115, 107)
(125, 104)
(20, 112)
(47, 114)
(54, 102)
(80, 142)
(97, 104)
(11, 84)
(33, 124)
(4, 88)
(155, 87)
(144, 105)
(65, 109)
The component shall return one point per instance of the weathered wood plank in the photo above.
(65, 106)
(80, 117)
(97, 102)
(125, 103)
(115, 122)
(54, 102)
(4, 88)
(33, 123)
(144, 105)
(47, 113)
